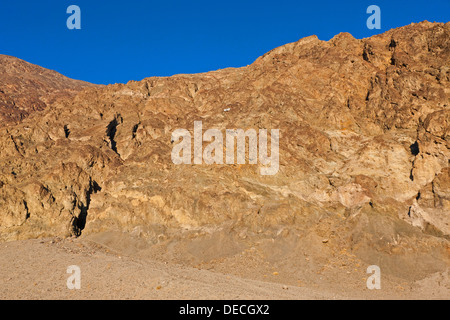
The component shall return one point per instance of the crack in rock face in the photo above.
(111, 133)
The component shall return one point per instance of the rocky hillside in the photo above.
(25, 88)
(364, 150)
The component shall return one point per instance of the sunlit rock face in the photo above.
(363, 147)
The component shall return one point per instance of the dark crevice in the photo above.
(27, 216)
(79, 223)
(66, 131)
(135, 127)
(414, 148)
(111, 131)
(393, 44)
(95, 187)
(365, 56)
(16, 146)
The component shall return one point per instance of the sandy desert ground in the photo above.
(119, 266)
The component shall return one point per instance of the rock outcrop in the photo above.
(26, 88)
(364, 149)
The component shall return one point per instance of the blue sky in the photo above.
(134, 39)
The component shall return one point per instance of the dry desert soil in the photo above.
(118, 266)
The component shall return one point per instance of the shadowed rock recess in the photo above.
(364, 150)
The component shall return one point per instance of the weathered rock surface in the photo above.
(364, 150)
(25, 88)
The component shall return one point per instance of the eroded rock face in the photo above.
(364, 148)
(26, 88)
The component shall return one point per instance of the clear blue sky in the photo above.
(133, 39)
